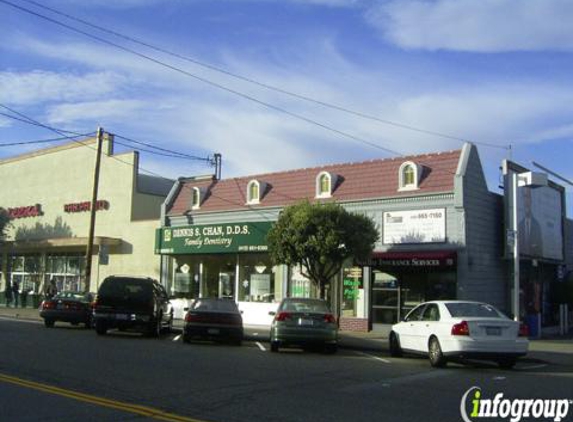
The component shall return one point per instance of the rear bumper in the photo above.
(212, 331)
(122, 320)
(469, 347)
(303, 336)
(65, 316)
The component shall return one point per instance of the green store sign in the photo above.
(213, 238)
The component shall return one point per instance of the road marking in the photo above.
(177, 337)
(261, 346)
(374, 357)
(100, 401)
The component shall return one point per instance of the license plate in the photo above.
(493, 331)
(213, 331)
(122, 317)
(305, 322)
(60, 306)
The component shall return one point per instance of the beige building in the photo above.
(48, 196)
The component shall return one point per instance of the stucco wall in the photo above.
(64, 175)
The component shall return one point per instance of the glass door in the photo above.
(385, 299)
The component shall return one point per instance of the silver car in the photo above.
(304, 322)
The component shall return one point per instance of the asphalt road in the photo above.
(71, 374)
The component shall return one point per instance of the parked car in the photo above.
(128, 302)
(213, 319)
(72, 307)
(458, 330)
(304, 322)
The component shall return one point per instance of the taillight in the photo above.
(329, 318)
(48, 305)
(523, 330)
(193, 317)
(461, 329)
(282, 316)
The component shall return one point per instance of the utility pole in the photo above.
(93, 207)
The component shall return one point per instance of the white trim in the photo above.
(318, 192)
(417, 174)
(257, 200)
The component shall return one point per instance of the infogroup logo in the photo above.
(513, 409)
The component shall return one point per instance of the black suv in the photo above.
(127, 302)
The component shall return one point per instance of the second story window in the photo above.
(196, 199)
(253, 192)
(324, 185)
(409, 175)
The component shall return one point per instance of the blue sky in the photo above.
(496, 72)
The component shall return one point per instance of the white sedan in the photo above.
(448, 330)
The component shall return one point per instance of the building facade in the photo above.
(47, 194)
(441, 237)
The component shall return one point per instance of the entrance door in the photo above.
(385, 299)
(218, 276)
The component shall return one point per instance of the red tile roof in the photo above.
(357, 181)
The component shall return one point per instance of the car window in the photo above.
(306, 305)
(468, 309)
(415, 314)
(126, 287)
(431, 313)
(214, 305)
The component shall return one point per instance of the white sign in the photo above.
(422, 226)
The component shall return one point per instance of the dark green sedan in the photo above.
(304, 322)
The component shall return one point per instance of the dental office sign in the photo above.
(214, 238)
(420, 226)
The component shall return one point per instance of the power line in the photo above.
(41, 141)
(31, 121)
(207, 81)
(34, 123)
(174, 153)
(258, 83)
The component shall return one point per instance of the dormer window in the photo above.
(325, 183)
(409, 176)
(196, 198)
(253, 192)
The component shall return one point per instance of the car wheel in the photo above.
(88, 323)
(274, 346)
(395, 349)
(330, 348)
(507, 363)
(154, 328)
(169, 328)
(101, 328)
(49, 323)
(437, 358)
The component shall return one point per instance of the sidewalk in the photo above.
(371, 341)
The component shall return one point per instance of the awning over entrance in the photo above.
(422, 259)
(57, 243)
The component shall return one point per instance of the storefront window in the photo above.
(26, 271)
(67, 271)
(300, 286)
(185, 283)
(257, 279)
(352, 291)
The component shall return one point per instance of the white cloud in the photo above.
(45, 86)
(111, 111)
(476, 25)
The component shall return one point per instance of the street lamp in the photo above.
(531, 179)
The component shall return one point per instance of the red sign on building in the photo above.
(25, 212)
(86, 206)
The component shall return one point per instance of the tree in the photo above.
(320, 238)
(4, 222)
